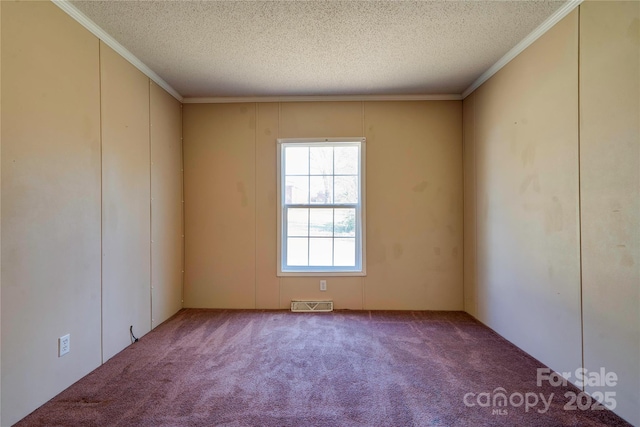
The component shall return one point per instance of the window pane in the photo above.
(345, 222)
(346, 160)
(346, 189)
(320, 206)
(345, 252)
(321, 189)
(296, 160)
(298, 222)
(296, 190)
(297, 251)
(321, 222)
(321, 160)
(320, 251)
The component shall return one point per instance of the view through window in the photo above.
(321, 215)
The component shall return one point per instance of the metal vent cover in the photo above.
(308, 306)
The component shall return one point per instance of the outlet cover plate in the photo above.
(64, 345)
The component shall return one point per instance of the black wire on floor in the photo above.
(133, 337)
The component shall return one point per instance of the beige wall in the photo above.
(267, 284)
(126, 215)
(56, 187)
(551, 198)
(167, 232)
(220, 216)
(610, 195)
(76, 201)
(50, 202)
(470, 274)
(525, 141)
(414, 203)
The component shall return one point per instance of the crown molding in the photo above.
(321, 98)
(564, 10)
(83, 20)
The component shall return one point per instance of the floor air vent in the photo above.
(304, 306)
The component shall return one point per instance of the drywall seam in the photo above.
(87, 23)
(580, 212)
(101, 207)
(525, 43)
(150, 215)
(363, 279)
(278, 255)
(0, 208)
(184, 239)
(476, 281)
(255, 206)
(463, 203)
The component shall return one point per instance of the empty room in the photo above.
(320, 213)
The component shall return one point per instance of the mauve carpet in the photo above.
(276, 368)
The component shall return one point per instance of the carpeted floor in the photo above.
(266, 368)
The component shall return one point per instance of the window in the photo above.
(321, 206)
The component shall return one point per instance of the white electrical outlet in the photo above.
(64, 345)
(323, 285)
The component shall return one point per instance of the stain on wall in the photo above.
(413, 202)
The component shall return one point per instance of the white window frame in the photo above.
(360, 211)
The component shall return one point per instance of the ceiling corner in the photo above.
(97, 31)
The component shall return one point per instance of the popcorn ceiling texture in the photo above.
(242, 48)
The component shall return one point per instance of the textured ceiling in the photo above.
(288, 48)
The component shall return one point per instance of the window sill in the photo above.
(321, 273)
